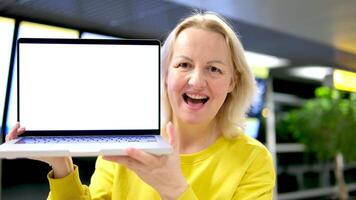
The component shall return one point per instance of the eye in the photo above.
(214, 70)
(183, 65)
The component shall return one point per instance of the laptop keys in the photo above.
(84, 139)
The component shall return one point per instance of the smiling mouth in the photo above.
(194, 99)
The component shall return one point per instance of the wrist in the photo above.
(175, 192)
(62, 167)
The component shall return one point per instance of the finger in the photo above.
(13, 132)
(141, 156)
(19, 132)
(123, 160)
(111, 158)
(172, 137)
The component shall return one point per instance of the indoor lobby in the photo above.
(302, 55)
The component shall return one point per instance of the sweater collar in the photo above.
(218, 145)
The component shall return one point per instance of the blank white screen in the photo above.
(89, 87)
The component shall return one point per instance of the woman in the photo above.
(207, 89)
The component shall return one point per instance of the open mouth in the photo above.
(195, 99)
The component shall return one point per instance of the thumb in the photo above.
(172, 138)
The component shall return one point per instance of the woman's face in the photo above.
(199, 75)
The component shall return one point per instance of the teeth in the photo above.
(196, 96)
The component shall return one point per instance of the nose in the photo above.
(197, 79)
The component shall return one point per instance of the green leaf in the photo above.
(326, 124)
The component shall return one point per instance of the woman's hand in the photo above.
(161, 172)
(62, 166)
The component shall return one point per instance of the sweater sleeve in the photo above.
(102, 181)
(67, 188)
(259, 179)
(70, 187)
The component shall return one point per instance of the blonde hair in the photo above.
(232, 114)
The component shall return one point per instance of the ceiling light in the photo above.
(263, 60)
(317, 73)
(88, 35)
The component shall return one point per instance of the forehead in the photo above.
(196, 42)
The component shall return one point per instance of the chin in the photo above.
(193, 119)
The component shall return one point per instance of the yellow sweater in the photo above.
(228, 169)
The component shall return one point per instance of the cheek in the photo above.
(175, 79)
(172, 85)
(221, 90)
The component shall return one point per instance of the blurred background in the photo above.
(303, 55)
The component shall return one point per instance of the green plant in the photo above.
(326, 125)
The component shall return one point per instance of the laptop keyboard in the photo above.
(85, 139)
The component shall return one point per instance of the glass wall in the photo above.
(6, 36)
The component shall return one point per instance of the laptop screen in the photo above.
(71, 85)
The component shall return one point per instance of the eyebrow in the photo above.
(216, 61)
(210, 62)
(185, 57)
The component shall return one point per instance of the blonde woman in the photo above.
(207, 89)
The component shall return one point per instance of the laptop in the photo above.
(87, 97)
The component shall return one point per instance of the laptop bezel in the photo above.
(90, 41)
